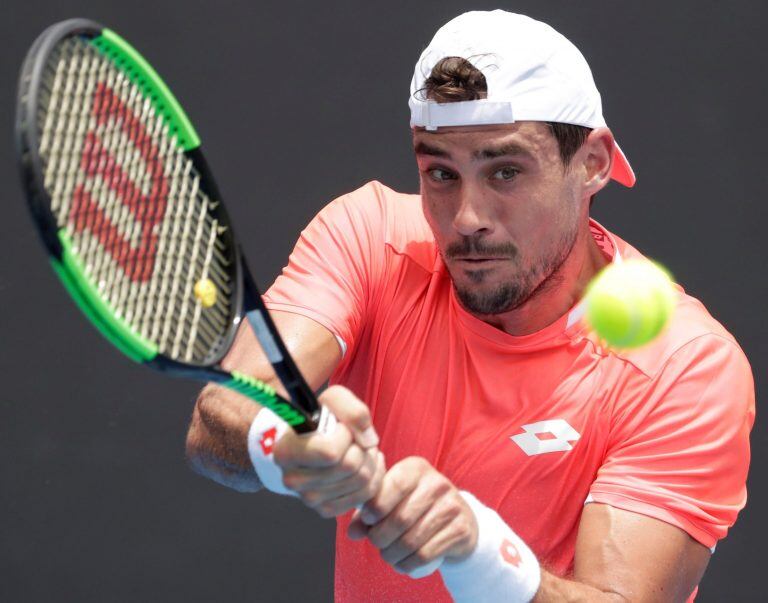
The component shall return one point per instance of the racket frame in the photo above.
(302, 412)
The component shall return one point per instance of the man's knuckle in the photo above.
(399, 522)
(460, 529)
(312, 498)
(326, 511)
(419, 557)
(366, 472)
(331, 393)
(353, 462)
(452, 510)
(456, 513)
(418, 463)
(345, 466)
(372, 463)
(376, 483)
(374, 508)
(409, 543)
(357, 412)
(438, 484)
(398, 478)
(369, 489)
(330, 453)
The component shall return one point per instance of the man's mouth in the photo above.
(470, 254)
(478, 262)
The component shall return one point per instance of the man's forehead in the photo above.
(485, 141)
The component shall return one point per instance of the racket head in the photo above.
(124, 200)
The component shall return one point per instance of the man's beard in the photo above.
(510, 295)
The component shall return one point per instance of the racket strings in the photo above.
(130, 200)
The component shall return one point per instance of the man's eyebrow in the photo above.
(504, 150)
(501, 151)
(422, 148)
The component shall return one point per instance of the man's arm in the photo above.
(625, 556)
(418, 516)
(217, 436)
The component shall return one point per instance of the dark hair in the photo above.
(456, 79)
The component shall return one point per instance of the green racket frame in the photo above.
(302, 411)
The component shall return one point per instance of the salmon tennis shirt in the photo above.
(534, 426)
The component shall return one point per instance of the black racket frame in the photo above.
(246, 296)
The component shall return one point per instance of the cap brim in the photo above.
(622, 172)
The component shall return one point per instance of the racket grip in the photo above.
(264, 394)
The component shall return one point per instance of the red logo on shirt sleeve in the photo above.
(510, 553)
(267, 441)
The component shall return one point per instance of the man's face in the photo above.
(503, 209)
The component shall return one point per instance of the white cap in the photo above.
(533, 73)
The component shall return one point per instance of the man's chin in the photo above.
(488, 301)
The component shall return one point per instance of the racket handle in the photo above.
(327, 421)
(265, 395)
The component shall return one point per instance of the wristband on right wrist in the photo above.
(501, 568)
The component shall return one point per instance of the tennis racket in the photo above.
(132, 219)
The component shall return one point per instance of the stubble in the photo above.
(510, 295)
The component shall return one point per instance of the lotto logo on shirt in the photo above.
(267, 441)
(554, 435)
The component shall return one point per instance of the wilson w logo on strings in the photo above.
(133, 245)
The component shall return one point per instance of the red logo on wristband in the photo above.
(267, 441)
(509, 553)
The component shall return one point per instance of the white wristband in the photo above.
(267, 428)
(501, 568)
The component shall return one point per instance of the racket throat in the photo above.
(286, 370)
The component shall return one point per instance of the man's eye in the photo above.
(506, 173)
(441, 175)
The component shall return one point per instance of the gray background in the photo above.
(298, 103)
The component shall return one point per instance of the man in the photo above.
(523, 458)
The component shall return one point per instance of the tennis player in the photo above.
(482, 428)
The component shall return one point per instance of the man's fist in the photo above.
(336, 471)
(416, 517)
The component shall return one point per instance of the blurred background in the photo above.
(297, 103)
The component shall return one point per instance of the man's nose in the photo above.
(474, 213)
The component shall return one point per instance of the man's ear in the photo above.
(597, 156)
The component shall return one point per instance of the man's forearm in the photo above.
(217, 441)
(217, 438)
(559, 590)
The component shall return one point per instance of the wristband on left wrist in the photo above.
(265, 431)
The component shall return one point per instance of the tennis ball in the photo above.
(628, 303)
(205, 292)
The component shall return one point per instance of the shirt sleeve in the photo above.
(332, 271)
(681, 453)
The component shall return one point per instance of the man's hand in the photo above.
(337, 471)
(416, 517)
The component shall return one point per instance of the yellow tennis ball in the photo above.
(628, 303)
(205, 292)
